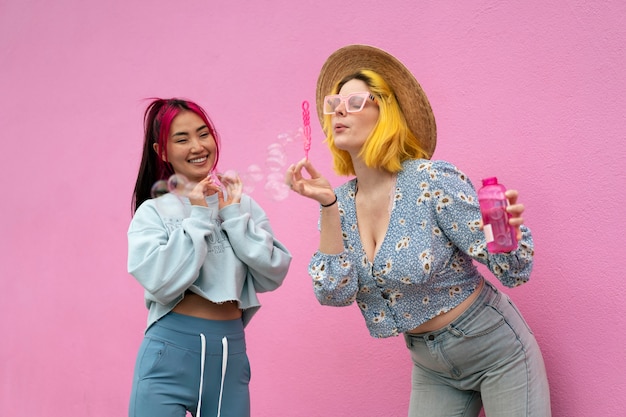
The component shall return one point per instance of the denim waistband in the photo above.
(487, 295)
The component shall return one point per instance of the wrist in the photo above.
(198, 202)
(332, 203)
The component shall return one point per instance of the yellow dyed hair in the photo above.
(390, 143)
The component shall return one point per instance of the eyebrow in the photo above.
(185, 133)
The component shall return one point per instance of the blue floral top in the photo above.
(424, 266)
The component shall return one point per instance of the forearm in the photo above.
(331, 239)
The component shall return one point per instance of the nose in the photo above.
(341, 108)
(196, 144)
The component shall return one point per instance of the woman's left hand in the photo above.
(202, 189)
(515, 209)
(234, 189)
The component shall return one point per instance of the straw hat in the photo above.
(412, 99)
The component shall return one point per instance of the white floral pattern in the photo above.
(424, 266)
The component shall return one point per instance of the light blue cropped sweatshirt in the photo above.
(222, 255)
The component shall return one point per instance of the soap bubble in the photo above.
(171, 204)
(159, 188)
(219, 176)
(279, 155)
(276, 158)
(276, 187)
(180, 185)
(286, 150)
(255, 173)
(252, 176)
(213, 176)
(176, 184)
(229, 173)
(285, 139)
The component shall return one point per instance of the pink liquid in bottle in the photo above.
(501, 237)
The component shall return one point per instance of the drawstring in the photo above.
(224, 363)
(203, 354)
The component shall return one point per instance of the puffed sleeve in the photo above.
(167, 260)
(335, 280)
(335, 276)
(456, 209)
(252, 239)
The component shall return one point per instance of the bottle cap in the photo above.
(490, 181)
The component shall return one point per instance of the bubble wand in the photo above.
(307, 128)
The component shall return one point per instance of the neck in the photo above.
(373, 180)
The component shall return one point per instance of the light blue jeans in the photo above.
(182, 356)
(487, 357)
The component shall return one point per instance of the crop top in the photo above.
(424, 266)
(222, 255)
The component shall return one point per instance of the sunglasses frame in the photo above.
(344, 99)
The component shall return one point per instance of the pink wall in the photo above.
(529, 91)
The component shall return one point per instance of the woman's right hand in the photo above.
(234, 189)
(202, 189)
(315, 187)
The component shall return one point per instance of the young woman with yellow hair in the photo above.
(401, 238)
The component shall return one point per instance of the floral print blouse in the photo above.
(424, 266)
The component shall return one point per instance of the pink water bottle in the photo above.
(501, 237)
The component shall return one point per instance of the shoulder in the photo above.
(433, 171)
(149, 208)
(346, 187)
(147, 215)
(427, 165)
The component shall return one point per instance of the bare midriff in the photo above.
(196, 306)
(442, 320)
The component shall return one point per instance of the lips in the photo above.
(198, 160)
(340, 127)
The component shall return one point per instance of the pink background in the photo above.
(532, 92)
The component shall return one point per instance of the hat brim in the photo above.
(412, 99)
